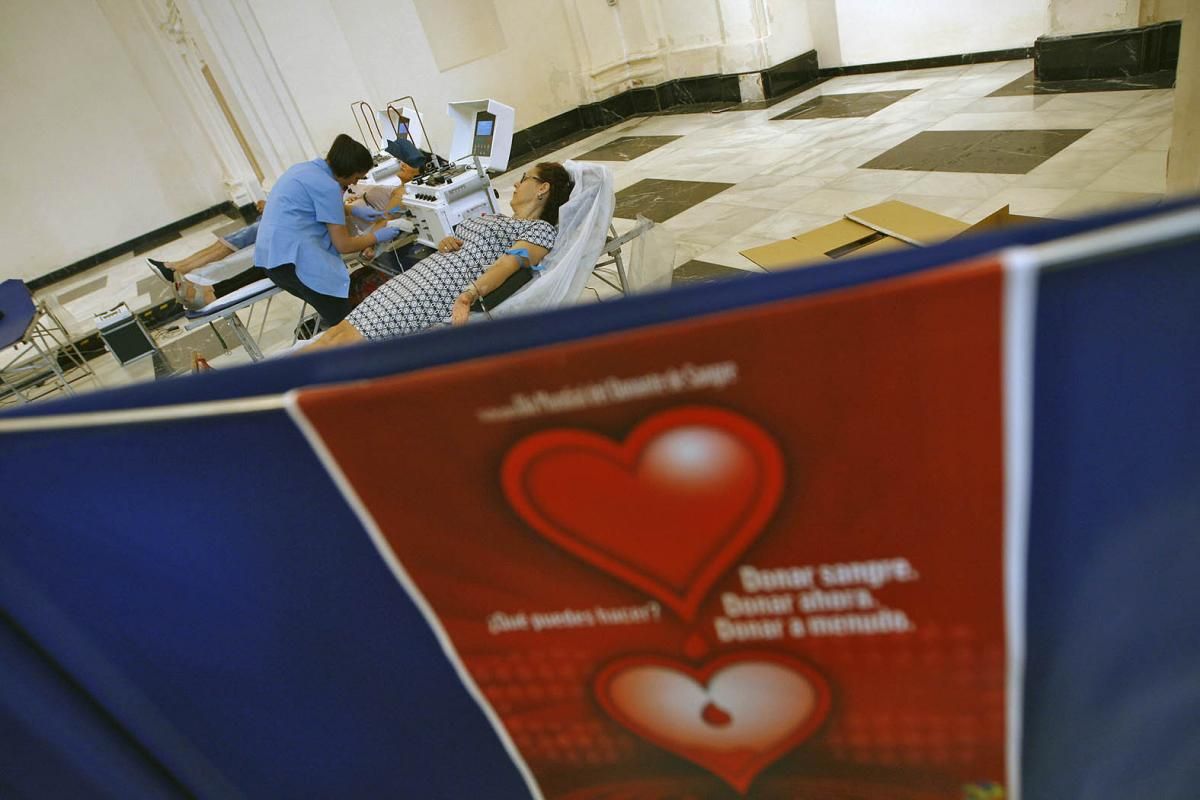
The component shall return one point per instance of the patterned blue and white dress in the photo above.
(424, 295)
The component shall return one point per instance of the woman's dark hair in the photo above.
(348, 157)
(556, 175)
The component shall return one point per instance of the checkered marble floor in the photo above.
(793, 174)
(722, 182)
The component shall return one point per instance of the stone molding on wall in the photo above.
(163, 24)
(648, 56)
(236, 51)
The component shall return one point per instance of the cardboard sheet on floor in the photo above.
(887, 226)
(908, 223)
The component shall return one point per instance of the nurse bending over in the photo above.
(484, 252)
(195, 289)
(303, 231)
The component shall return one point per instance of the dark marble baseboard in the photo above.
(982, 57)
(663, 97)
(527, 143)
(248, 213)
(147, 241)
(702, 92)
(1108, 54)
(795, 73)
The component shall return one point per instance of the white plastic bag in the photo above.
(651, 260)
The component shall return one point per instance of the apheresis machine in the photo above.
(448, 193)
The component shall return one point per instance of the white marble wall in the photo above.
(645, 42)
(868, 31)
(1089, 16)
(100, 145)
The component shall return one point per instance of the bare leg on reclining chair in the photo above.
(195, 296)
(207, 255)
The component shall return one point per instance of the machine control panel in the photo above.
(442, 199)
(485, 126)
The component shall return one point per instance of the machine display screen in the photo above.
(485, 123)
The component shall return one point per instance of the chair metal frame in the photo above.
(240, 329)
(614, 267)
(39, 362)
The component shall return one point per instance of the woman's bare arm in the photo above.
(500, 271)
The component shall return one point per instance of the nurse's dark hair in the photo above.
(556, 175)
(348, 157)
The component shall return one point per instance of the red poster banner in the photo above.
(756, 554)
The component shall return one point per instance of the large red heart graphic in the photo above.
(668, 511)
(734, 717)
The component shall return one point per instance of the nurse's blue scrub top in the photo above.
(292, 229)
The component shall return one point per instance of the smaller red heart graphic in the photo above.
(734, 717)
(668, 511)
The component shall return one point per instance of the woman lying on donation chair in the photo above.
(484, 252)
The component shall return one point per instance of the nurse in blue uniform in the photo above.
(303, 231)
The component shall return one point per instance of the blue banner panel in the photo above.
(1112, 698)
(55, 742)
(206, 584)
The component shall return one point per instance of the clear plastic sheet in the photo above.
(651, 260)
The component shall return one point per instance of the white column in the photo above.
(153, 35)
(232, 44)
